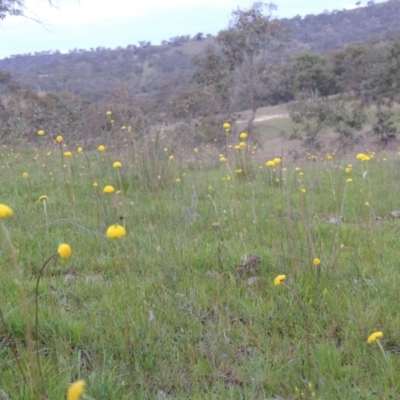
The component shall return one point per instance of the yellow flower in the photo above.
(108, 189)
(366, 158)
(79, 149)
(316, 261)
(40, 132)
(76, 390)
(67, 154)
(177, 181)
(117, 164)
(242, 145)
(108, 112)
(243, 136)
(95, 184)
(171, 157)
(226, 126)
(279, 279)
(223, 159)
(349, 180)
(303, 190)
(297, 169)
(25, 175)
(59, 138)
(348, 170)
(237, 147)
(101, 148)
(116, 232)
(360, 156)
(270, 163)
(42, 198)
(277, 160)
(374, 336)
(64, 251)
(5, 211)
(196, 150)
(239, 171)
(123, 128)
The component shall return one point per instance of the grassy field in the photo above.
(185, 305)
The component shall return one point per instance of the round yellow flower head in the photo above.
(223, 159)
(171, 157)
(25, 175)
(67, 154)
(64, 251)
(316, 261)
(226, 126)
(303, 190)
(40, 132)
(237, 147)
(360, 156)
(5, 211)
(117, 164)
(277, 160)
(116, 232)
(242, 145)
(42, 198)
(101, 148)
(349, 180)
(348, 170)
(239, 170)
(270, 163)
(59, 139)
(79, 149)
(95, 184)
(243, 136)
(76, 390)
(177, 181)
(123, 128)
(109, 112)
(279, 279)
(108, 189)
(196, 150)
(374, 336)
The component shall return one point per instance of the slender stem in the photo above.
(37, 318)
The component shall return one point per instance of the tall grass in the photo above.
(164, 312)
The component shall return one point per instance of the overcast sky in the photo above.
(84, 24)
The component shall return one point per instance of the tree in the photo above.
(10, 8)
(242, 54)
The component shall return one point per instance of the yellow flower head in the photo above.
(59, 139)
(123, 128)
(177, 181)
(242, 145)
(5, 211)
(108, 189)
(76, 390)
(171, 157)
(349, 180)
(243, 136)
(279, 279)
(101, 148)
(25, 175)
(196, 150)
(374, 336)
(277, 160)
(316, 261)
(117, 164)
(226, 126)
(270, 163)
(109, 112)
(79, 149)
(360, 156)
(223, 159)
(348, 170)
(95, 184)
(116, 232)
(42, 198)
(239, 171)
(67, 154)
(303, 190)
(64, 251)
(40, 132)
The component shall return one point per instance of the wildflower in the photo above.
(270, 163)
(101, 148)
(366, 158)
(117, 164)
(177, 181)
(243, 136)
(59, 139)
(242, 145)
(42, 198)
(239, 171)
(25, 175)
(116, 232)
(95, 184)
(329, 157)
(196, 150)
(374, 336)
(67, 154)
(297, 169)
(316, 261)
(279, 279)
(303, 190)
(108, 113)
(277, 160)
(76, 389)
(349, 180)
(79, 149)
(5, 211)
(165, 149)
(40, 132)
(108, 189)
(210, 188)
(123, 128)
(348, 170)
(226, 126)
(360, 156)
(237, 147)
(223, 159)
(171, 157)
(64, 251)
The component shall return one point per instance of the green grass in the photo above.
(164, 312)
